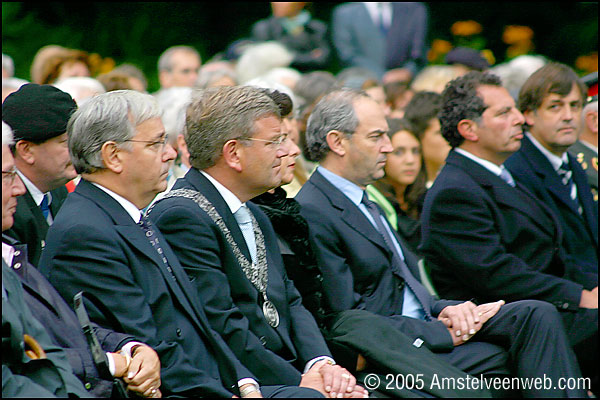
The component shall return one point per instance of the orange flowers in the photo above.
(519, 38)
(466, 28)
(514, 34)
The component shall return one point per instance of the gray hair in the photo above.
(261, 57)
(335, 111)
(266, 83)
(7, 135)
(111, 116)
(81, 88)
(588, 108)
(13, 83)
(219, 114)
(207, 77)
(165, 61)
(173, 103)
(8, 65)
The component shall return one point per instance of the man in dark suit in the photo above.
(551, 100)
(585, 149)
(485, 236)
(239, 274)
(367, 266)
(381, 36)
(38, 116)
(61, 323)
(32, 365)
(100, 243)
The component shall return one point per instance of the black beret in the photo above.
(38, 112)
(467, 56)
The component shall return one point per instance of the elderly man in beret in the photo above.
(38, 116)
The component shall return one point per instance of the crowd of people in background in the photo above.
(260, 226)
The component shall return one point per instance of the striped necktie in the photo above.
(566, 176)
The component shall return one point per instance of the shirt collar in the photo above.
(555, 160)
(490, 166)
(349, 189)
(131, 208)
(8, 252)
(374, 11)
(231, 199)
(589, 146)
(35, 193)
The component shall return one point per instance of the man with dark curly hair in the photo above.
(501, 241)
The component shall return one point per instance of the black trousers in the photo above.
(582, 330)
(532, 335)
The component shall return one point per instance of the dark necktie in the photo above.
(45, 207)
(146, 225)
(566, 176)
(506, 176)
(382, 26)
(389, 241)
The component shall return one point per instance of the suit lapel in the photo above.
(585, 197)
(58, 197)
(517, 198)
(36, 214)
(351, 214)
(204, 186)
(136, 237)
(552, 182)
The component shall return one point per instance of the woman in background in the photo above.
(402, 190)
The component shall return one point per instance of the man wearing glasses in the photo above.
(228, 247)
(38, 116)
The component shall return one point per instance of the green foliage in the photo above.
(138, 32)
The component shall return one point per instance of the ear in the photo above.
(335, 141)
(233, 154)
(529, 117)
(164, 78)
(467, 129)
(591, 120)
(112, 157)
(25, 150)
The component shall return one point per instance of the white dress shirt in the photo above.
(234, 204)
(37, 194)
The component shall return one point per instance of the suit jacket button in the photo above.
(565, 305)
(88, 386)
(263, 340)
(17, 265)
(178, 331)
(17, 253)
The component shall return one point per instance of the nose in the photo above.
(567, 113)
(283, 149)
(18, 188)
(168, 153)
(386, 147)
(293, 149)
(520, 120)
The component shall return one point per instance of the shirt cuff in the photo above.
(316, 360)
(129, 346)
(246, 381)
(111, 364)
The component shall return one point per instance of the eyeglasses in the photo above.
(277, 141)
(151, 143)
(9, 176)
